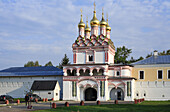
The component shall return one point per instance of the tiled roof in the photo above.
(44, 85)
(31, 71)
(164, 59)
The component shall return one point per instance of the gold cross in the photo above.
(81, 11)
(94, 6)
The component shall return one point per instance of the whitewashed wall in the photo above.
(154, 90)
(81, 58)
(17, 86)
(125, 72)
(99, 57)
(111, 58)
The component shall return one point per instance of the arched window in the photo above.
(101, 72)
(94, 72)
(68, 72)
(87, 72)
(74, 72)
(81, 72)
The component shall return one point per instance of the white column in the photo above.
(98, 92)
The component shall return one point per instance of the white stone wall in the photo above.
(153, 90)
(18, 86)
(81, 58)
(99, 57)
(111, 58)
(125, 72)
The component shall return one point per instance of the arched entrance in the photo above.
(90, 94)
(117, 94)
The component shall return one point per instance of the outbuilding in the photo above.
(46, 89)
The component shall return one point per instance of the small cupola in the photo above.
(103, 22)
(94, 21)
(155, 53)
(81, 23)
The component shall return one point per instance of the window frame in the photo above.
(143, 75)
(158, 74)
(168, 74)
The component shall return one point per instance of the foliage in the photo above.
(121, 54)
(146, 106)
(49, 64)
(64, 61)
(159, 53)
(132, 60)
(32, 64)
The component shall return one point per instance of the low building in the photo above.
(46, 89)
(153, 78)
(17, 81)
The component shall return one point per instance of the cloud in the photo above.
(45, 30)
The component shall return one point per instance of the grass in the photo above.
(146, 106)
(21, 99)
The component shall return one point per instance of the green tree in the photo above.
(29, 64)
(121, 54)
(64, 61)
(49, 64)
(36, 64)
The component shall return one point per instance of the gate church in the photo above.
(93, 74)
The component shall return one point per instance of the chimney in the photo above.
(155, 53)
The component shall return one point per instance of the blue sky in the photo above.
(44, 30)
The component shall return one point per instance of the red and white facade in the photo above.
(93, 74)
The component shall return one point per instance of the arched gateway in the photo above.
(117, 94)
(90, 94)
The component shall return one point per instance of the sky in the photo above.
(45, 30)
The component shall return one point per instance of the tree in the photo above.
(49, 64)
(149, 55)
(36, 64)
(29, 64)
(121, 54)
(64, 61)
(32, 64)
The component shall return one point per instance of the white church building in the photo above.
(93, 74)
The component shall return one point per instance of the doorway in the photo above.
(117, 94)
(90, 94)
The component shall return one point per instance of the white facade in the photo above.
(152, 90)
(49, 94)
(18, 86)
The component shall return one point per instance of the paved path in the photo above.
(46, 105)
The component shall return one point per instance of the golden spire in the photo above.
(94, 21)
(87, 26)
(81, 23)
(103, 22)
(107, 26)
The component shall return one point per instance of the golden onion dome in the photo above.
(94, 21)
(107, 26)
(87, 27)
(81, 23)
(103, 22)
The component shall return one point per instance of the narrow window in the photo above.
(117, 73)
(168, 74)
(141, 74)
(90, 58)
(137, 94)
(159, 74)
(144, 94)
(49, 92)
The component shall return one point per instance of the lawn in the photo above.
(149, 106)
